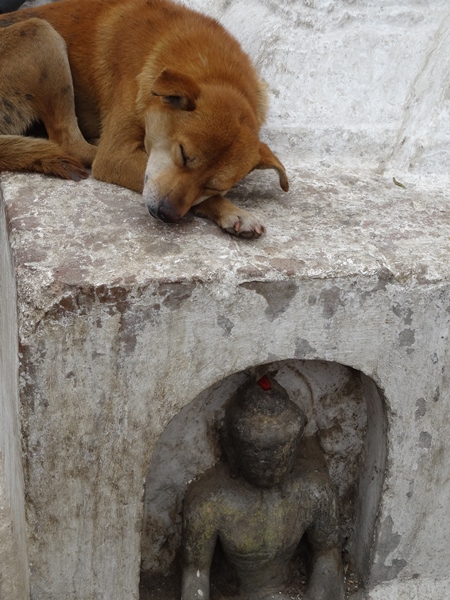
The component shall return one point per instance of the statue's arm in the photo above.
(199, 540)
(326, 581)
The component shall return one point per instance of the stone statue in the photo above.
(260, 504)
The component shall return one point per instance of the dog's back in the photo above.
(110, 42)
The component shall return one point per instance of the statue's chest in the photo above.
(264, 524)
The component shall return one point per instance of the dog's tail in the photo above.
(19, 153)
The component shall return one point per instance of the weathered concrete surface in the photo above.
(123, 320)
(13, 547)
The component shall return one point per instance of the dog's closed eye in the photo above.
(212, 191)
(184, 158)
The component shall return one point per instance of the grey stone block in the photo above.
(121, 324)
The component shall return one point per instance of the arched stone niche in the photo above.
(345, 434)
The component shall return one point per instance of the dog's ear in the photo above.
(268, 160)
(176, 90)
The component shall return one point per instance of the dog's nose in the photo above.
(152, 212)
(166, 214)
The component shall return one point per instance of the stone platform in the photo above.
(112, 322)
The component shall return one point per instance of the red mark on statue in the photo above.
(264, 383)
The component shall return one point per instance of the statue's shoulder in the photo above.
(209, 487)
(313, 482)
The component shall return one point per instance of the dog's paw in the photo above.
(230, 218)
(243, 224)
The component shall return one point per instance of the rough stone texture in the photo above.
(123, 320)
(13, 549)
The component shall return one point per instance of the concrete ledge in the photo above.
(124, 320)
(14, 583)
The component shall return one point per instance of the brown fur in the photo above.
(174, 101)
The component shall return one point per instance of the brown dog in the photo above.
(175, 102)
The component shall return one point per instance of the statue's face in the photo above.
(266, 450)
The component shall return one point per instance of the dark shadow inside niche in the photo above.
(345, 435)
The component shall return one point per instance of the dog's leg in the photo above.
(55, 101)
(36, 85)
(121, 156)
(229, 217)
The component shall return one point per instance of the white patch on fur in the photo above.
(159, 160)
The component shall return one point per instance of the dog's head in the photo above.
(201, 140)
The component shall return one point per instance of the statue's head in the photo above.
(261, 434)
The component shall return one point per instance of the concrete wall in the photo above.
(122, 321)
(352, 81)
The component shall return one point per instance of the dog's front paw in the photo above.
(243, 224)
(229, 217)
